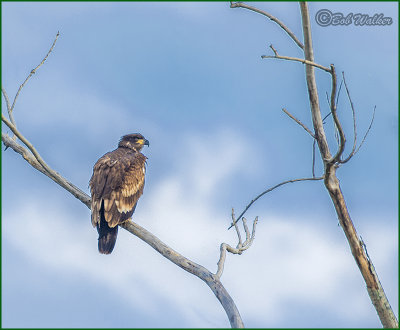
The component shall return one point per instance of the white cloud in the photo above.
(292, 261)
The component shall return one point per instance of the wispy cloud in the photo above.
(292, 261)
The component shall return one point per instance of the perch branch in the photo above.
(299, 122)
(269, 190)
(36, 161)
(201, 272)
(210, 279)
(31, 155)
(272, 18)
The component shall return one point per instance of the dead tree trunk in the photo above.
(375, 290)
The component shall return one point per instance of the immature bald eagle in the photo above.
(116, 185)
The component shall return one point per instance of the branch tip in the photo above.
(299, 122)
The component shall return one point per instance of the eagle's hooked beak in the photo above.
(146, 142)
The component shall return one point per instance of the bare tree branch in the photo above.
(51, 173)
(269, 190)
(34, 71)
(338, 125)
(211, 279)
(31, 155)
(272, 18)
(299, 122)
(312, 88)
(240, 248)
(332, 184)
(10, 115)
(288, 58)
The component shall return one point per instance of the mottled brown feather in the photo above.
(118, 180)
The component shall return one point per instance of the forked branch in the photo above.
(295, 59)
(240, 247)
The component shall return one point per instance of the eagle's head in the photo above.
(133, 141)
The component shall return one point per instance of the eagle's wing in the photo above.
(117, 183)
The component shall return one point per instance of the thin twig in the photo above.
(340, 89)
(236, 227)
(10, 115)
(288, 58)
(299, 122)
(272, 18)
(366, 133)
(34, 71)
(301, 60)
(323, 120)
(270, 189)
(313, 159)
(274, 50)
(251, 237)
(337, 99)
(246, 230)
(327, 99)
(354, 123)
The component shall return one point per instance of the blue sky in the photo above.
(189, 76)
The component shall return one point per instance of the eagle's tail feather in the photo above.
(107, 239)
(107, 235)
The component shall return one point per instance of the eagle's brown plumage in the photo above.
(116, 185)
